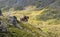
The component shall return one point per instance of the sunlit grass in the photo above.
(50, 27)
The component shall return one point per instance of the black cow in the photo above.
(0, 13)
(24, 18)
(14, 20)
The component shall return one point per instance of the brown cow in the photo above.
(24, 18)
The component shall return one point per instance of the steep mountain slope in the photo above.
(42, 23)
(27, 30)
(52, 14)
(24, 3)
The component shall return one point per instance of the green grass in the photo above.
(48, 20)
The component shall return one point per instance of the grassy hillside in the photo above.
(44, 18)
(27, 31)
(42, 23)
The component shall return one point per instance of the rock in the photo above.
(14, 21)
(3, 27)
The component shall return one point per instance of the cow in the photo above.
(14, 22)
(0, 13)
(24, 18)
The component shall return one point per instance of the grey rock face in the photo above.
(24, 3)
(3, 27)
(13, 20)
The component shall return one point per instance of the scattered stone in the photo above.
(3, 28)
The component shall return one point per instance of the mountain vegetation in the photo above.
(44, 18)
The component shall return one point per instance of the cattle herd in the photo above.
(13, 20)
